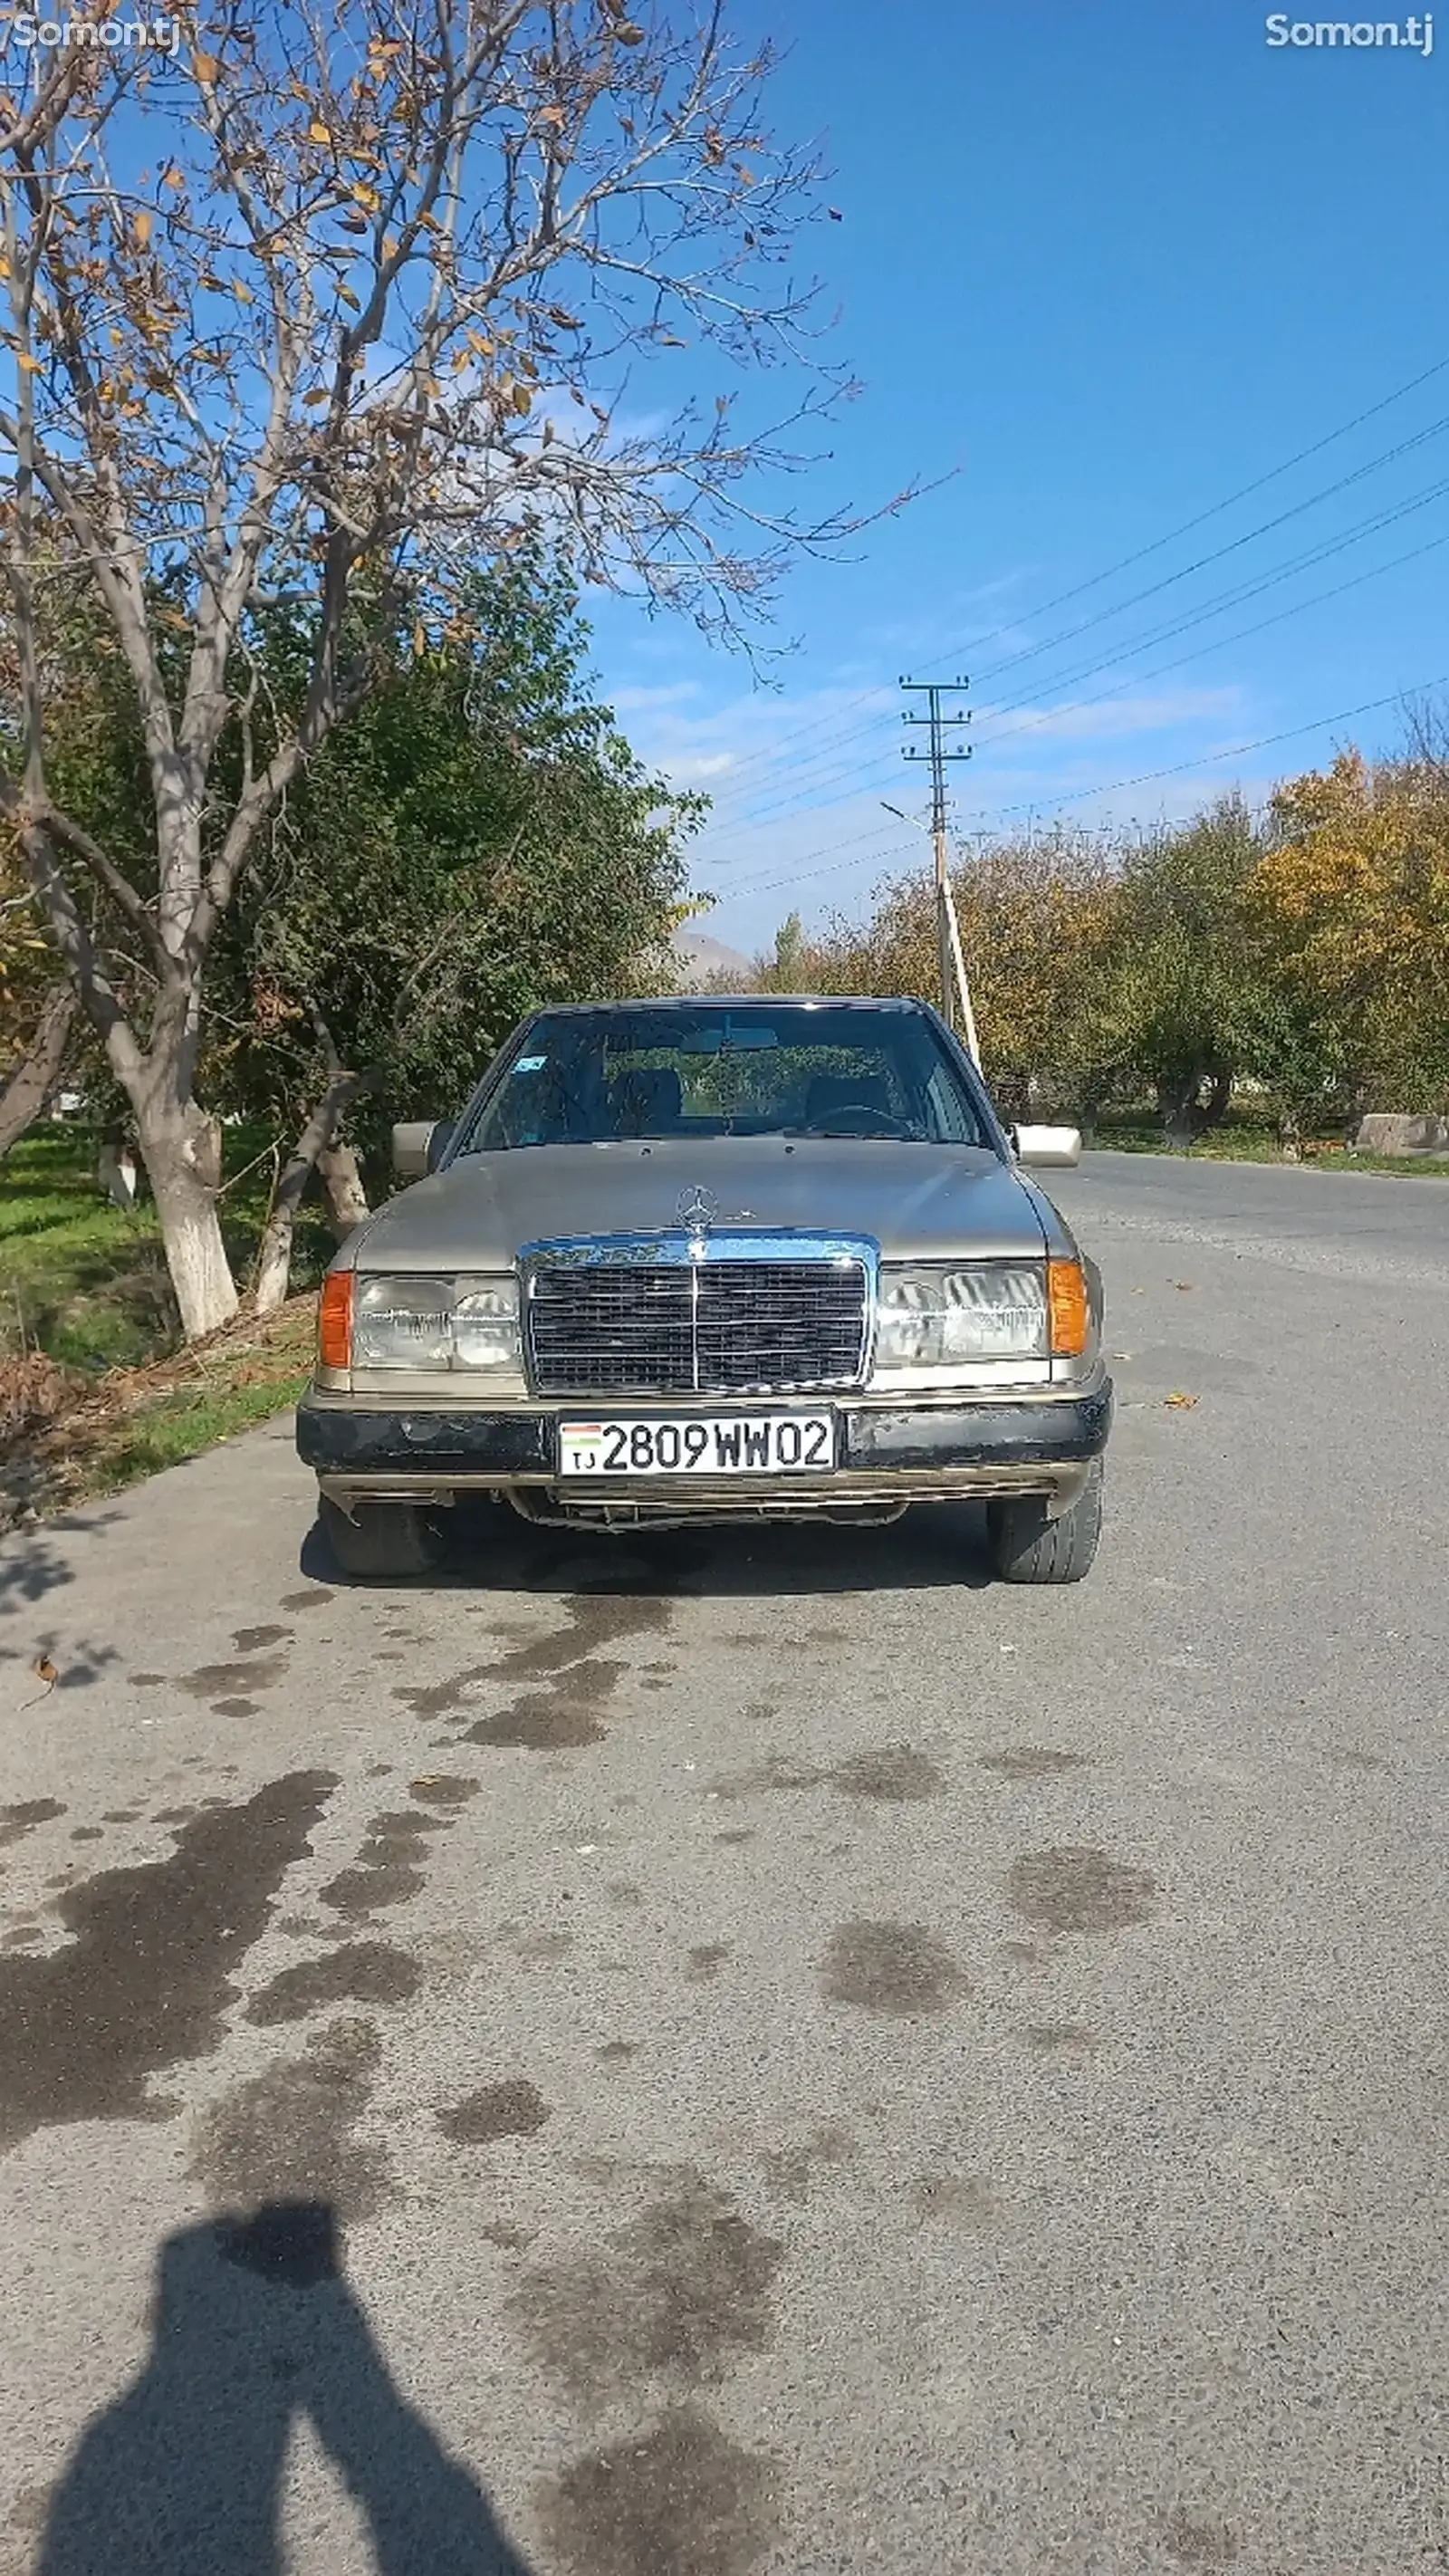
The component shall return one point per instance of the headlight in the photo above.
(932, 1315)
(425, 1324)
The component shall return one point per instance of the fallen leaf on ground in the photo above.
(47, 1676)
(1181, 1402)
(1182, 1283)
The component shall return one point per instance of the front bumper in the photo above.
(889, 1455)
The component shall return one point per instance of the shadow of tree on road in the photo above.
(254, 2326)
(33, 1566)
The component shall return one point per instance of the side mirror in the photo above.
(439, 1141)
(1048, 1149)
(411, 1140)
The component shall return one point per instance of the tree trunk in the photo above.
(181, 1149)
(28, 1086)
(1213, 1110)
(346, 1198)
(1185, 1115)
(1177, 1103)
(313, 1152)
(274, 1252)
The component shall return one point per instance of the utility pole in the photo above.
(945, 746)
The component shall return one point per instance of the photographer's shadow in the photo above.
(255, 2326)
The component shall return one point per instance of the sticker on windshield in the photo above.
(530, 1064)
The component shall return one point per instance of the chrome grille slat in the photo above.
(721, 1327)
(611, 1328)
(758, 1321)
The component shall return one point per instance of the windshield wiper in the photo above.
(899, 1132)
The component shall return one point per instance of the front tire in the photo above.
(386, 1543)
(1026, 1547)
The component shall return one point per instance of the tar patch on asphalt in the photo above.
(891, 1968)
(673, 2297)
(512, 2110)
(680, 2494)
(287, 2134)
(1079, 1890)
(1032, 1762)
(358, 1972)
(145, 1978)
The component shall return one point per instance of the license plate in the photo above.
(718, 1444)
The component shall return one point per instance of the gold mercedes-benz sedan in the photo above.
(716, 1259)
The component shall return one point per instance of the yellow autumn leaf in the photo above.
(28, 366)
(206, 68)
(242, 291)
(141, 228)
(317, 395)
(1181, 1403)
(317, 132)
(522, 399)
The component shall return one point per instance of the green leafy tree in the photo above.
(480, 841)
(324, 308)
(1179, 964)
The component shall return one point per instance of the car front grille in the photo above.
(712, 1327)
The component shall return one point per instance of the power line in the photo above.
(1244, 493)
(1265, 528)
(1253, 589)
(813, 725)
(1037, 804)
(1216, 606)
(1220, 642)
(1237, 751)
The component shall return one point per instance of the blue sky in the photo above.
(1103, 266)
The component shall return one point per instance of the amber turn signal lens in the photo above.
(334, 1321)
(1067, 1309)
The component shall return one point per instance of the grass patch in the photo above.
(96, 1389)
(64, 1438)
(164, 1429)
(1243, 1139)
(87, 1282)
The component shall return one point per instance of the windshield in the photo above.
(712, 1069)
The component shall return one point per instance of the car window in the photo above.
(711, 1070)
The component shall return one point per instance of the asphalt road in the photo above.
(819, 2063)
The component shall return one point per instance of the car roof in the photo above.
(730, 1001)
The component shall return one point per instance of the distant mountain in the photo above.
(700, 957)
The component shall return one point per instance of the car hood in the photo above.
(920, 1202)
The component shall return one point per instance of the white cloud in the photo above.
(1109, 719)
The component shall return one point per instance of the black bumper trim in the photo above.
(337, 1441)
(1060, 1431)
